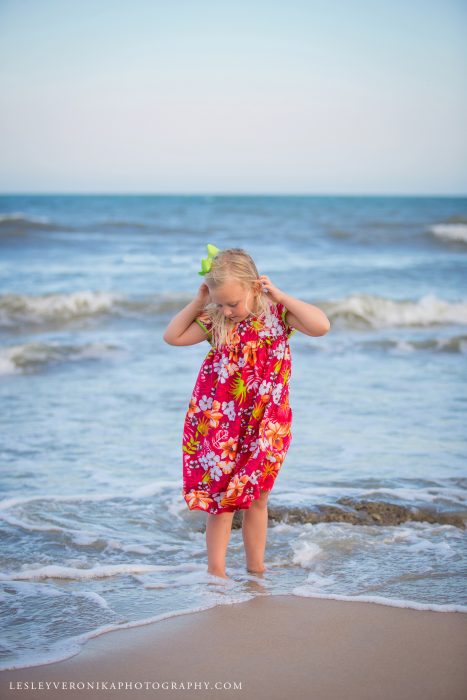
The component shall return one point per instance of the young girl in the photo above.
(238, 426)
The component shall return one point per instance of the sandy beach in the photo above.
(269, 647)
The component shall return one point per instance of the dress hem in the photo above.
(228, 510)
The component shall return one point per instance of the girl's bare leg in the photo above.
(218, 529)
(254, 530)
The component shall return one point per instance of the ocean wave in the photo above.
(19, 217)
(57, 309)
(32, 357)
(371, 311)
(452, 231)
(18, 309)
(17, 223)
(396, 346)
(57, 571)
(370, 505)
(354, 311)
(147, 490)
(23, 359)
(454, 344)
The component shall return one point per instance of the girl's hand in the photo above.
(274, 293)
(203, 296)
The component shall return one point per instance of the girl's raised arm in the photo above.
(183, 329)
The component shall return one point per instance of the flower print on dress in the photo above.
(224, 368)
(237, 428)
(229, 409)
(205, 402)
(277, 393)
(216, 472)
(265, 387)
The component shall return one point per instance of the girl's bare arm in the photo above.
(305, 317)
(183, 329)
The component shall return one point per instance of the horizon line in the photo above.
(229, 194)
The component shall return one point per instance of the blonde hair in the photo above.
(237, 265)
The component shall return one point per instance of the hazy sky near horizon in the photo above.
(266, 96)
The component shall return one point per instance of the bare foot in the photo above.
(218, 574)
(257, 571)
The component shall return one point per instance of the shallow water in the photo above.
(94, 528)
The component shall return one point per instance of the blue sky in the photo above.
(188, 96)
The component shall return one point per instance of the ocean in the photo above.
(370, 503)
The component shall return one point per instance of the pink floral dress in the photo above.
(238, 426)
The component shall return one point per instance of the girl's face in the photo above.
(232, 298)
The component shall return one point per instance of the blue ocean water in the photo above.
(95, 532)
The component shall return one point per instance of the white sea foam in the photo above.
(135, 548)
(68, 648)
(23, 308)
(94, 598)
(305, 553)
(455, 343)
(23, 358)
(82, 574)
(74, 573)
(366, 310)
(71, 647)
(305, 592)
(7, 365)
(197, 575)
(65, 649)
(356, 310)
(451, 232)
(31, 589)
(396, 560)
(430, 493)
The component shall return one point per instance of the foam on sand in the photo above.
(271, 647)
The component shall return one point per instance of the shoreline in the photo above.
(274, 646)
(78, 643)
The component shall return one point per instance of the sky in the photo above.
(234, 97)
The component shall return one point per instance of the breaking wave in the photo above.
(451, 231)
(371, 311)
(28, 357)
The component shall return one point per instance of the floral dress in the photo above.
(238, 426)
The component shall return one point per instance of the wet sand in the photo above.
(273, 647)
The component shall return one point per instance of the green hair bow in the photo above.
(206, 263)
